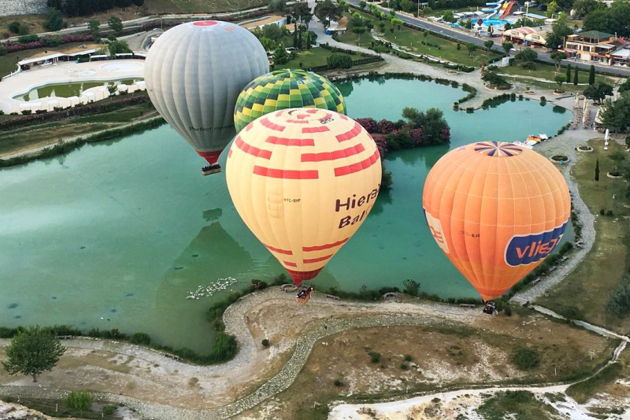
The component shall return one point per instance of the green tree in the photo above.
(362, 4)
(526, 57)
(619, 302)
(598, 91)
(431, 121)
(584, 7)
(54, 19)
(115, 24)
(280, 55)
(616, 115)
(3, 50)
(507, 46)
(568, 72)
(278, 5)
(79, 400)
(18, 28)
(118, 47)
(612, 20)
(339, 61)
(327, 11)
(471, 49)
(591, 75)
(526, 359)
(449, 17)
(575, 76)
(597, 170)
(33, 351)
(557, 57)
(625, 86)
(93, 26)
(488, 44)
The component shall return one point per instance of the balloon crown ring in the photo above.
(497, 149)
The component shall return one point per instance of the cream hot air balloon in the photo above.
(194, 72)
(303, 180)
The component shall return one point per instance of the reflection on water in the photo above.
(66, 90)
(115, 234)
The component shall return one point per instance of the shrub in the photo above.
(79, 400)
(412, 287)
(3, 50)
(369, 124)
(375, 357)
(140, 338)
(108, 410)
(339, 60)
(543, 101)
(408, 358)
(619, 302)
(525, 358)
(338, 383)
(25, 39)
(404, 366)
(265, 343)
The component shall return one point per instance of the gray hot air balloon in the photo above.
(194, 72)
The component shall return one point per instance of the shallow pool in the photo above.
(115, 234)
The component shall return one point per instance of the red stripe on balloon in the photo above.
(270, 125)
(289, 263)
(298, 121)
(287, 174)
(252, 150)
(290, 142)
(278, 250)
(314, 260)
(337, 154)
(348, 135)
(326, 246)
(356, 167)
(321, 129)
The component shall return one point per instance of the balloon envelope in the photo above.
(284, 89)
(496, 210)
(194, 73)
(303, 180)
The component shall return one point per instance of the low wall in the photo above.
(22, 7)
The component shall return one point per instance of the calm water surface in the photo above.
(115, 235)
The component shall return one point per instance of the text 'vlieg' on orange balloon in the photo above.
(496, 210)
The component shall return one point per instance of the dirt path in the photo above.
(225, 390)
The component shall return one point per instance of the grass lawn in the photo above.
(586, 291)
(548, 72)
(311, 58)
(421, 42)
(35, 23)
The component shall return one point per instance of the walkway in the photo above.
(565, 144)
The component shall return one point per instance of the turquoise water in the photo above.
(115, 234)
(67, 90)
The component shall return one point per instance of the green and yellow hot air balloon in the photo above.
(282, 89)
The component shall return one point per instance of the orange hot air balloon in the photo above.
(496, 210)
(303, 180)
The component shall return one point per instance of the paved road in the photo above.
(464, 37)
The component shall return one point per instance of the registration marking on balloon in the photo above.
(303, 180)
